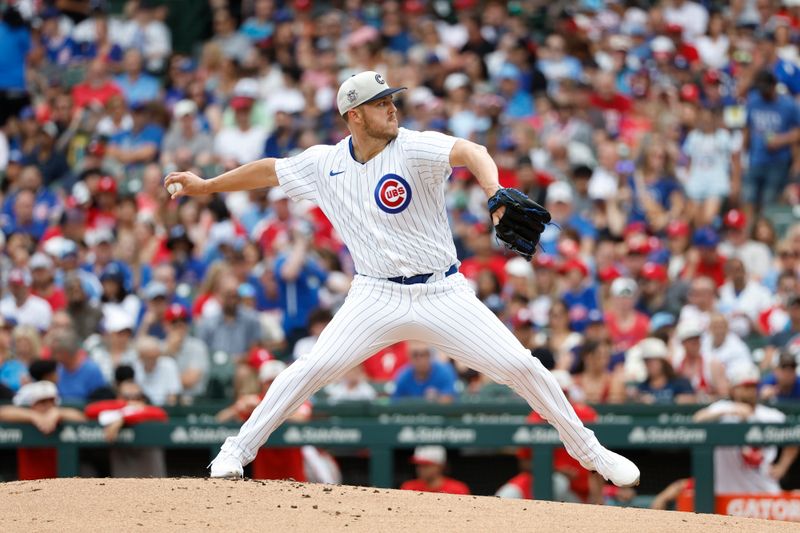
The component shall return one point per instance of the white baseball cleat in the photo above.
(616, 469)
(226, 466)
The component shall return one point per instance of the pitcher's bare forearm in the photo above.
(255, 175)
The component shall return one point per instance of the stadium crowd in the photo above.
(662, 136)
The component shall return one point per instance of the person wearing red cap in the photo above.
(189, 352)
(104, 202)
(580, 294)
(756, 256)
(677, 243)
(747, 469)
(430, 462)
(656, 293)
(710, 149)
(243, 141)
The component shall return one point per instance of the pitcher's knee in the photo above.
(519, 369)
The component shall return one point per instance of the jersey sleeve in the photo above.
(428, 153)
(298, 174)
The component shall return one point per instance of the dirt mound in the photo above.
(203, 504)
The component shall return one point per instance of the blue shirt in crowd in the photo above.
(668, 392)
(15, 43)
(143, 89)
(766, 118)
(661, 191)
(580, 303)
(442, 378)
(794, 394)
(300, 296)
(78, 385)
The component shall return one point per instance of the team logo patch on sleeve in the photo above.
(392, 194)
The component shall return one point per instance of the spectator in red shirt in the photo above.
(43, 282)
(703, 259)
(430, 463)
(626, 325)
(606, 97)
(98, 88)
(37, 404)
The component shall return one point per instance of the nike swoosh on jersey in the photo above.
(336, 173)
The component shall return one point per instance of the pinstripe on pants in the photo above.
(445, 313)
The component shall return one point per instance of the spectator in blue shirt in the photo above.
(560, 203)
(786, 72)
(137, 86)
(425, 378)
(22, 219)
(138, 146)
(299, 280)
(556, 64)
(783, 383)
(78, 376)
(260, 26)
(773, 126)
(661, 385)
(15, 41)
(518, 103)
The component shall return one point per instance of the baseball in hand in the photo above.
(173, 188)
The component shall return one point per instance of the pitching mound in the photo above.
(215, 505)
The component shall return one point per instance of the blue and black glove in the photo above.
(523, 222)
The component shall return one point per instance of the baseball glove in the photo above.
(522, 223)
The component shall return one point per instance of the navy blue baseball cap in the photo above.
(705, 237)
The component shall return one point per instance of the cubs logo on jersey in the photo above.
(392, 194)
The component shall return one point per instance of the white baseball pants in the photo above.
(445, 314)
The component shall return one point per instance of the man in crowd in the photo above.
(747, 469)
(430, 462)
(425, 377)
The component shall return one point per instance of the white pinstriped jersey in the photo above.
(390, 211)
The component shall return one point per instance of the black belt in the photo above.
(421, 278)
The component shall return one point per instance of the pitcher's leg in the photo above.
(361, 327)
(469, 331)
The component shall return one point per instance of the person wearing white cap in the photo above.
(662, 384)
(26, 308)
(626, 325)
(115, 347)
(37, 403)
(430, 462)
(559, 201)
(383, 190)
(747, 469)
(185, 143)
(706, 375)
